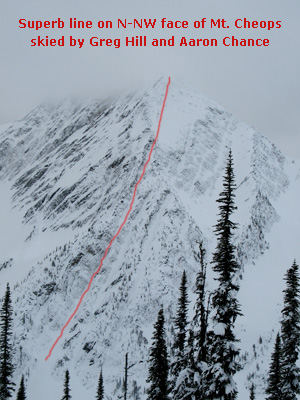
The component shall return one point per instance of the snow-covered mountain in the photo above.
(67, 177)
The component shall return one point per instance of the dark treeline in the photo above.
(284, 374)
(204, 356)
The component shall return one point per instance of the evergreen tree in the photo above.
(100, 389)
(181, 324)
(223, 352)
(181, 319)
(6, 350)
(67, 395)
(290, 334)
(274, 388)
(159, 364)
(188, 383)
(252, 392)
(21, 392)
(180, 363)
(197, 342)
(201, 310)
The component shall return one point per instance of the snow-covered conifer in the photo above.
(6, 349)
(201, 310)
(21, 392)
(223, 353)
(252, 392)
(159, 364)
(181, 324)
(290, 334)
(67, 395)
(199, 327)
(100, 389)
(181, 371)
(274, 387)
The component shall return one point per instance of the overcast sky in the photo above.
(261, 86)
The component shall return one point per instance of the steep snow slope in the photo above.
(70, 170)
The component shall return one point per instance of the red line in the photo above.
(120, 228)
